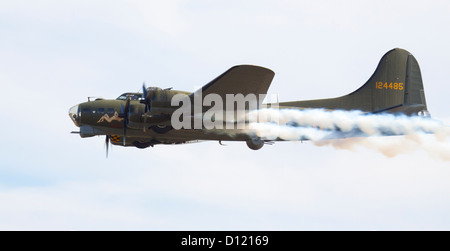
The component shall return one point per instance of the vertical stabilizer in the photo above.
(395, 87)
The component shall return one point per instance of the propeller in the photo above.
(124, 114)
(147, 99)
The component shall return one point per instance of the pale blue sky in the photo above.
(54, 54)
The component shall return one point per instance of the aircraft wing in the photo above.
(244, 79)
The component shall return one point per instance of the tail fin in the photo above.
(395, 87)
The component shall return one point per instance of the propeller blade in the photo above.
(144, 91)
(147, 100)
(124, 134)
(125, 119)
(107, 145)
(127, 105)
(147, 109)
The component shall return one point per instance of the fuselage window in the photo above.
(86, 110)
(110, 111)
(101, 110)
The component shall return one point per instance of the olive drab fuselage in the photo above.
(145, 119)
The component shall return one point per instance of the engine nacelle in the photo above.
(255, 143)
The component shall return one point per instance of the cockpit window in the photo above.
(133, 96)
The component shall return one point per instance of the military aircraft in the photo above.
(146, 119)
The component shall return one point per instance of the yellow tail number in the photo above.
(389, 86)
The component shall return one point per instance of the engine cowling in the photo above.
(255, 143)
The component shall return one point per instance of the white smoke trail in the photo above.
(324, 127)
(393, 146)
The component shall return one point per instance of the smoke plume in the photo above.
(352, 129)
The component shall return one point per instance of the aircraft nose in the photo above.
(74, 114)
